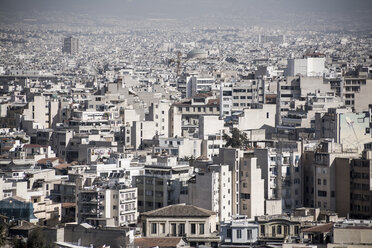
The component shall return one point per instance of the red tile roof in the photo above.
(44, 160)
(153, 242)
(320, 228)
(32, 146)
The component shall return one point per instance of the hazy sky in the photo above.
(259, 9)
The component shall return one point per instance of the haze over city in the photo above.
(196, 123)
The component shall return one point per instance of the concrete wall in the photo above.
(273, 207)
(256, 118)
(114, 237)
(352, 236)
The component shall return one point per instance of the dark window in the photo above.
(173, 229)
(181, 229)
(229, 233)
(193, 228)
(322, 193)
(279, 229)
(296, 229)
(201, 228)
(153, 228)
(249, 234)
(238, 234)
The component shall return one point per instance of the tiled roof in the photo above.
(320, 229)
(25, 225)
(68, 204)
(32, 146)
(62, 166)
(156, 242)
(179, 211)
(45, 160)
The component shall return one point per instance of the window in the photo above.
(279, 229)
(181, 229)
(201, 228)
(273, 230)
(267, 115)
(319, 181)
(262, 230)
(193, 228)
(322, 193)
(173, 229)
(229, 233)
(324, 181)
(153, 228)
(238, 234)
(249, 234)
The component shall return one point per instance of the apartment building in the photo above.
(184, 115)
(238, 95)
(356, 92)
(361, 186)
(117, 202)
(211, 189)
(161, 185)
(251, 187)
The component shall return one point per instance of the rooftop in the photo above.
(179, 211)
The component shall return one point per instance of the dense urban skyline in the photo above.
(200, 123)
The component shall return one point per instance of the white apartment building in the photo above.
(252, 197)
(309, 67)
(238, 95)
(159, 113)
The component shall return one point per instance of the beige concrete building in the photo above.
(357, 93)
(184, 116)
(277, 228)
(196, 225)
(211, 189)
(352, 234)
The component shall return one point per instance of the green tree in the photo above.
(237, 139)
(3, 234)
(36, 239)
(19, 243)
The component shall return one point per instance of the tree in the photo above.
(3, 234)
(36, 239)
(236, 140)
